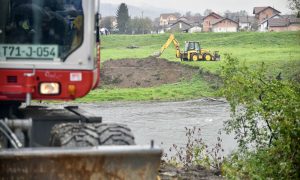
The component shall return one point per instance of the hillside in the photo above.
(279, 51)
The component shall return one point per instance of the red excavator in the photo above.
(50, 50)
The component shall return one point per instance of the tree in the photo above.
(294, 5)
(265, 120)
(188, 14)
(106, 23)
(140, 25)
(242, 13)
(207, 12)
(122, 18)
(235, 15)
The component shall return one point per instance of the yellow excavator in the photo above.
(192, 51)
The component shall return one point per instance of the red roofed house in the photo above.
(225, 25)
(263, 13)
(207, 21)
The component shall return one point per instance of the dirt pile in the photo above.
(146, 72)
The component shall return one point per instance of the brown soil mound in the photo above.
(147, 72)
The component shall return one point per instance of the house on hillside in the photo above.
(180, 25)
(294, 24)
(263, 13)
(207, 21)
(195, 29)
(284, 24)
(280, 23)
(224, 25)
(264, 25)
(246, 22)
(165, 19)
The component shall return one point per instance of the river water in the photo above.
(165, 122)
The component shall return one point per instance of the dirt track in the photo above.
(147, 72)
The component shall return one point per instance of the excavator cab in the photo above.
(191, 51)
(192, 46)
(50, 50)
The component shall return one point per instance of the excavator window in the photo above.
(192, 46)
(186, 47)
(197, 46)
(44, 29)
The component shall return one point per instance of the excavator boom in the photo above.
(167, 44)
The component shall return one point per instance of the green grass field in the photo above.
(279, 50)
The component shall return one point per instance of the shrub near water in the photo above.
(265, 121)
(196, 152)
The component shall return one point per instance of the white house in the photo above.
(245, 22)
(195, 29)
(224, 25)
(264, 25)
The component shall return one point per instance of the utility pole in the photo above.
(143, 22)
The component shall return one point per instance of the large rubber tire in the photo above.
(114, 134)
(194, 57)
(207, 57)
(90, 134)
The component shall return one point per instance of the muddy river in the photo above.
(165, 122)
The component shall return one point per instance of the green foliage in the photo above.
(140, 25)
(197, 152)
(107, 23)
(122, 18)
(294, 5)
(265, 120)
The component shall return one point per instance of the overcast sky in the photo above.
(198, 6)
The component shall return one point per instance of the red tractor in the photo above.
(50, 50)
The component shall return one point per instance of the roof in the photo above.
(217, 16)
(220, 20)
(246, 19)
(272, 17)
(279, 22)
(289, 16)
(195, 19)
(294, 20)
(165, 16)
(257, 10)
(183, 21)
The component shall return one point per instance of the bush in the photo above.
(265, 120)
(197, 153)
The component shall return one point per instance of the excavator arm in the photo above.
(166, 45)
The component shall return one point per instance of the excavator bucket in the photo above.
(103, 162)
(156, 54)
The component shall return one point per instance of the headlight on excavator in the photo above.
(49, 88)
